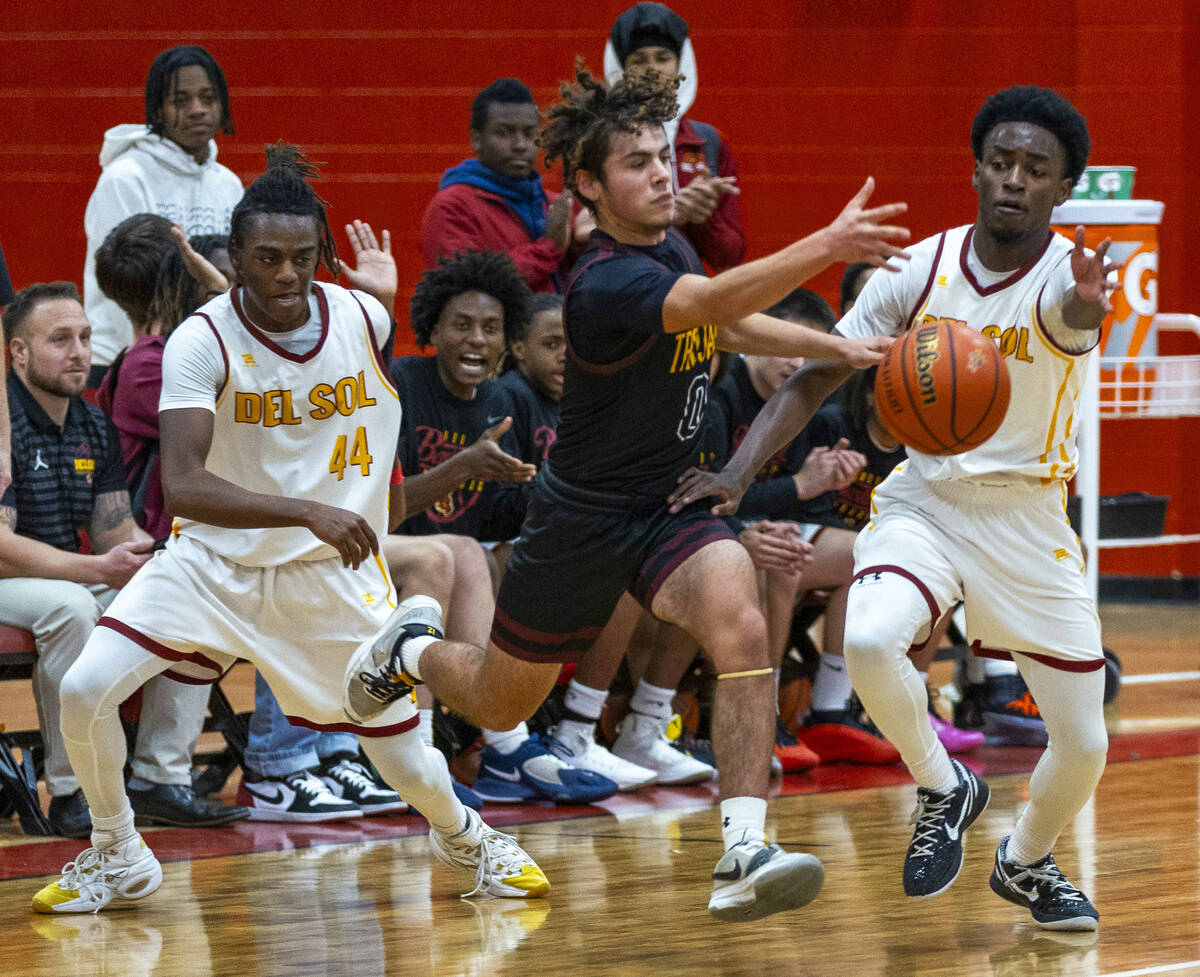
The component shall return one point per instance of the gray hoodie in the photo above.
(144, 173)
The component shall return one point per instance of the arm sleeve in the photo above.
(720, 240)
(193, 368)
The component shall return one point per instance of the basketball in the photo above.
(942, 388)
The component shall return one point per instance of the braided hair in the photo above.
(581, 126)
(284, 189)
(160, 83)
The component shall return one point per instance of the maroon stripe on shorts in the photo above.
(170, 654)
(371, 732)
(529, 644)
(690, 539)
(1062, 664)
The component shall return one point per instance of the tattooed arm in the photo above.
(21, 556)
(112, 523)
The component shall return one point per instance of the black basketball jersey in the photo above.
(851, 506)
(437, 425)
(634, 396)
(535, 416)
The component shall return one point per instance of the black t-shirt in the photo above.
(535, 416)
(850, 507)
(634, 396)
(772, 495)
(58, 473)
(436, 425)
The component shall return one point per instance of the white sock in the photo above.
(108, 833)
(585, 700)
(743, 821)
(410, 653)
(508, 741)
(976, 669)
(650, 700)
(831, 687)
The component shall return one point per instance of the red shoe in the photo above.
(840, 735)
(792, 755)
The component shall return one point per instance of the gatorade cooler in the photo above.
(1126, 331)
(1133, 227)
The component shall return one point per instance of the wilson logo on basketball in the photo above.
(927, 354)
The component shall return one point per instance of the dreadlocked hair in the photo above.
(581, 126)
(490, 272)
(284, 189)
(176, 292)
(858, 409)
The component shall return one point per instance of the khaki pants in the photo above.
(61, 616)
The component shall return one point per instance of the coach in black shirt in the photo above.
(68, 478)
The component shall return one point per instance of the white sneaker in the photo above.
(299, 796)
(501, 866)
(643, 740)
(752, 881)
(102, 878)
(585, 753)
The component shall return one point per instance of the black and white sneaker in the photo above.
(753, 881)
(1044, 891)
(350, 780)
(935, 854)
(299, 796)
(375, 675)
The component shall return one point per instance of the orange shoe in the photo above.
(792, 755)
(842, 736)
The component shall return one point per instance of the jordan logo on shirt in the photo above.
(39, 462)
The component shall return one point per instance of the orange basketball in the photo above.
(942, 388)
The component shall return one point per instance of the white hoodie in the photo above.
(144, 173)
(685, 95)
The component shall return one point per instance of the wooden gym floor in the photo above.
(630, 876)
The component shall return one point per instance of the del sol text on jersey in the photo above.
(274, 407)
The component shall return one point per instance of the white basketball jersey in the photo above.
(320, 425)
(1036, 442)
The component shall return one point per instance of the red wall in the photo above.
(811, 96)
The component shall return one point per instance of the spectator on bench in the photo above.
(68, 477)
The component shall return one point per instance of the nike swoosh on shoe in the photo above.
(513, 777)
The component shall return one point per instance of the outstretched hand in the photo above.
(199, 267)
(1091, 271)
(375, 268)
(491, 463)
(859, 234)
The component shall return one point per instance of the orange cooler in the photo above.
(1133, 227)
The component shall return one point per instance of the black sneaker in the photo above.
(70, 816)
(935, 854)
(1010, 716)
(375, 675)
(1044, 891)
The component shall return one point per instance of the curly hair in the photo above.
(1041, 107)
(490, 272)
(581, 126)
(284, 189)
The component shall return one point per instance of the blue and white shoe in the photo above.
(532, 772)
